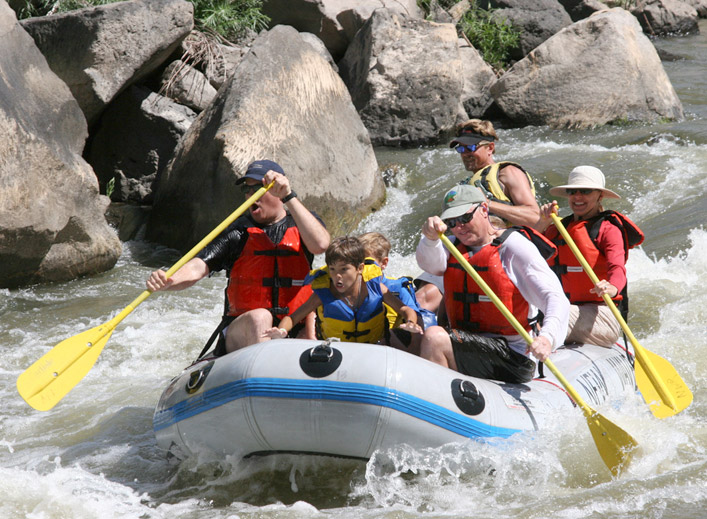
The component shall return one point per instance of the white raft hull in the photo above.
(363, 398)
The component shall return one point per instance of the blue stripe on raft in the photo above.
(329, 390)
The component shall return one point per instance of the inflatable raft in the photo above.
(346, 399)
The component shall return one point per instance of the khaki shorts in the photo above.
(594, 324)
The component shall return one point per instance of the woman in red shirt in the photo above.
(603, 237)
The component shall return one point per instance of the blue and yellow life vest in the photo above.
(335, 318)
(403, 289)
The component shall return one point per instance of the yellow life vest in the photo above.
(487, 179)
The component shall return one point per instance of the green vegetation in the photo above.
(229, 19)
(110, 187)
(489, 32)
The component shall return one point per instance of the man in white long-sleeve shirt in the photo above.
(478, 340)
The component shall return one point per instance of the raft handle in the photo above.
(321, 353)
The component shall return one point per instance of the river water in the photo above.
(94, 455)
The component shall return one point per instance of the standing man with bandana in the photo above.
(507, 186)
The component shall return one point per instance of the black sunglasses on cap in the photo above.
(460, 220)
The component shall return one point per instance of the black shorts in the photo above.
(489, 357)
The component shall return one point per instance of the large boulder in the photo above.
(405, 78)
(134, 140)
(335, 22)
(283, 102)
(100, 51)
(598, 70)
(664, 17)
(52, 224)
(536, 20)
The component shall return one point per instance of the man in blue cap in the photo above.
(267, 253)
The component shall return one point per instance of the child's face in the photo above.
(344, 275)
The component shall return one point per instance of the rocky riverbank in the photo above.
(113, 98)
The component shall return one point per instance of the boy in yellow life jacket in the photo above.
(348, 296)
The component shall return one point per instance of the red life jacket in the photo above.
(468, 307)
(575, 282)
(269, 276)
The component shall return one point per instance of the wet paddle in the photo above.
(51, 377)
(660, 384)
(615, 445)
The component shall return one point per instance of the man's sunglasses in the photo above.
(460, 220)
(580, 191)
(472, 148)
(245, 188)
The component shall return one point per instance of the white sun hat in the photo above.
(584, 177)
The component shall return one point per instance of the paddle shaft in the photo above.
(190, 255)
(641, 355)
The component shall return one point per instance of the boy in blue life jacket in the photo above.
(378, 249)
(349, 297)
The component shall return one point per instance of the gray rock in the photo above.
(186, 86)
(664, 17)
(598, 70)
(130, 220)
(283, 102)
(335, 22)
(52, 224)
(319, 47)
(133, 142)
(439, 14)
(700, 6)
(100, 51)
(405, 78)
(478, 79)
(581, 9)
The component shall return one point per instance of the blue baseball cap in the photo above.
(256, 170)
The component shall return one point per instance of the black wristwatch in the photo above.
(289, 197)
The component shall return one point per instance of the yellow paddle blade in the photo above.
(616, 447)
(671, 380)
(50, 378)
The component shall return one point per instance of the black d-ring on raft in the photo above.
(321, 360)
(197, 378)
(467, 397)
